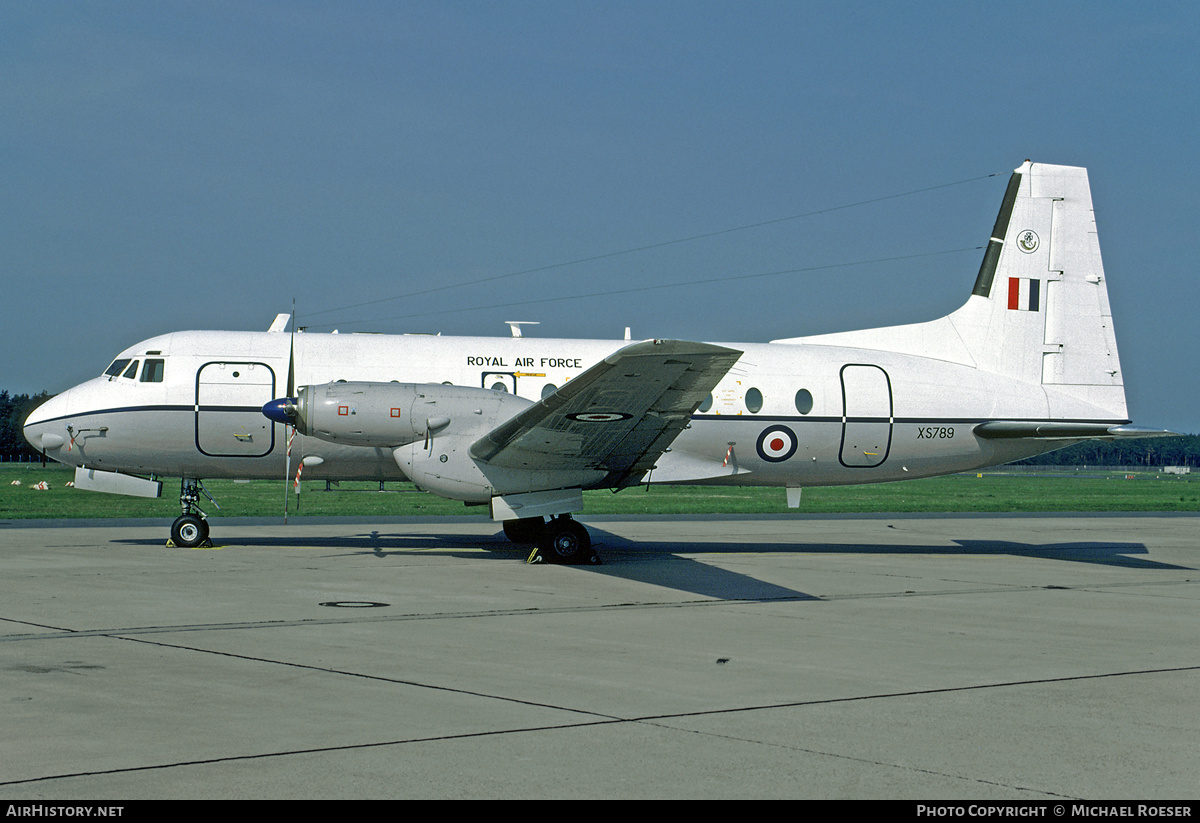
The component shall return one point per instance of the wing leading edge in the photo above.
(618, 416)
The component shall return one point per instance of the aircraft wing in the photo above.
(618, 416)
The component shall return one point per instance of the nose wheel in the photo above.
(189, 531)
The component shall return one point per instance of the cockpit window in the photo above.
(131, 372)
(152, 372)
(117, 367)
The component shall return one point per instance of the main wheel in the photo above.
(524, 530)
(189, 531)
(565, 541)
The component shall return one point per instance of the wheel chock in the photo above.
(206, 544)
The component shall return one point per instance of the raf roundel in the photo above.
(776, 444)
(598, 417)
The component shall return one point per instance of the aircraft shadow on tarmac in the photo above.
(662, 562)
(622, 556)
(1100, 552)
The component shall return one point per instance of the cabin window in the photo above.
(548, 390)
(152, 372)
(500, 387)
(706, 405)
(754, 400)
(131, 372)
(117, 367)
(804, 401)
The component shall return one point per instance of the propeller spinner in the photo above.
(282, 410)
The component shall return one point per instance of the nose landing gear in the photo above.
(190, 529)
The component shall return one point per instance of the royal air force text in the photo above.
(527, 362)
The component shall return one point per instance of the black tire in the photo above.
(524, 530)
(189, 531)
(565, 541)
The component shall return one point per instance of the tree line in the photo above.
(1149, 452)
(14, 408)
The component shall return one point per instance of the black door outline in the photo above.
(858, 429)
(223, 409)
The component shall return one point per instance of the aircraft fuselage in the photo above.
(786, 414)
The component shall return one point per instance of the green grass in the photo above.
(1001, 490)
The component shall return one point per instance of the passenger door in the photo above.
(229, 401)
(866, 416)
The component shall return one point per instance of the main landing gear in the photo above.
(561, 540)
(190, 529)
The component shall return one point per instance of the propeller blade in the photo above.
(287, 409)
(291, 386)
(287, 470)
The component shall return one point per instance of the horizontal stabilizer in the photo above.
(1062, 430)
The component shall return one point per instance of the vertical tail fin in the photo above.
(1039, 311)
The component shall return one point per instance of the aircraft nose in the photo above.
(41, 429)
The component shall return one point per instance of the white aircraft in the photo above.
(523, 425)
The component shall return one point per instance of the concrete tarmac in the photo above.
(1019, 657)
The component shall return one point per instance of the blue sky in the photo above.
(440, 167)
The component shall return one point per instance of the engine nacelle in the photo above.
(445, 467)
(387, 415)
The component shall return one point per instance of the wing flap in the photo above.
(616, 417)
